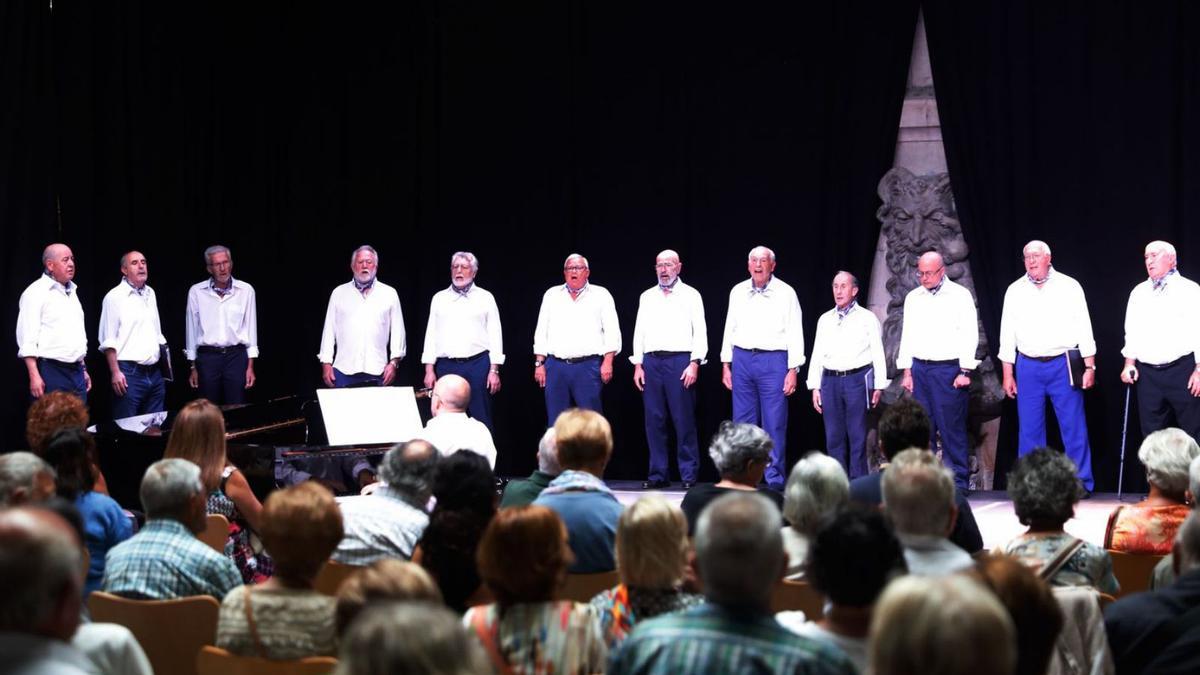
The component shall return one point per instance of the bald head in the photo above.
(452, 394)
(59, 262)
(930, 269)
(42, 565)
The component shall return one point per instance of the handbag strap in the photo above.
(1051, 568)
(252, 625)
(488, 638)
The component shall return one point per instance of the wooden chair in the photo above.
(331, 576)
(216, 532)
(582, 587)
(1133, 570)
(170, 631)
(792, 595)
(215, 661)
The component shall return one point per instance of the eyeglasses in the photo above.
(930, 273)
(664, 266)
(574, 268)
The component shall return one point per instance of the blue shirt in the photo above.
(164, 561)
(104, 526)
(591, 519)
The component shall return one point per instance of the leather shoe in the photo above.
(688, 484)
(656, 485)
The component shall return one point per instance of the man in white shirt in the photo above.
(222, 331)
(937, 353)
(363, 325)
(670, 341)
(1045, 316)
(761, 354)
(576, 338)
(463, 336)
(1162, 344)
(847, 374)
(50, 333)
(131, 339)
(450, 430)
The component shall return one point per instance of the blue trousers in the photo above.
(475, 372)
(567, 382)
(758, 399)
(63, 376)
(844, 403)
(1037, 381)
(666, 397)
(222, 375)
(144, 393)
(933, 387)
(341, 379)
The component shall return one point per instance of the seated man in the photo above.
(450, 430)
(522, 491)
(25, 478)
(165, 560)
(579, 495)
(739, 557)
(389, 522)
(918, 497)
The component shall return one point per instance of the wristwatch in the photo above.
(538, 363)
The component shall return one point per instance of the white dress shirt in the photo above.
(450, 432)
(214, 320)
(939, 326)
(50, 322)
(1164, 325)
(846, 343)
(584, 326)
(670, 322)
(130, 325)
(764, 320)
(462, 325)
(362, 329)
(1045, 321)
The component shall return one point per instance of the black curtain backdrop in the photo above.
(293, 132)
(1077, 123)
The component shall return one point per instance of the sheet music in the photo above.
(368, 415)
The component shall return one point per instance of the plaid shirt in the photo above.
(165, 560)
(379, 525)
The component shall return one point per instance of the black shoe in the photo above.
(656, 485)
(688, 484)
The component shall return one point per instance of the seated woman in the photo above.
(54, 411)
(1150, 525)
(652, 557)
(284, 617)
(523, 559)
(198, 435)
(816, 488)
(741, 452)
(385, 580)
(1044, 489)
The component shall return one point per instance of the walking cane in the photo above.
(1124, 434)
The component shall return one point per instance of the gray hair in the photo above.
(736, 444)
(409, 637)
(739, 549)
(853, 279)
(19, 470)
(365, 247)
(408, 469)
(213, 250)
(1188, 541)
(169, 487)
(1194, 480)
(547, 454)
(1037, 245)
(573, 256)
(1161, 247)
(816, 487)
(469, 257)
(1167, 454)
(918, 493)
(764, 249)
(38, 564)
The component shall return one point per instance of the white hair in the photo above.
(213, 250)
(365, 247)
(816, 487)
(918, 493)
(547, 454)
(469, 257)
(1037, 246)
(1161, 247)
(20, 470)
(573, 256)
(1167, 455)
(763, 249)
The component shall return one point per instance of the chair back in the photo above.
(331, 576)
(216, 532)
(171, 632)
(789, 596)
(583, 587)
(216, 661)
(1133, 570)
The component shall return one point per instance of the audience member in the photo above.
(1036, 616)
(1149, 526)
(941, 626)
(388, 522)
(54, 411)
(165, 560)
(739, 556)
(1164, 571)
(25, 478)
(1044, 489)
(852, 557)
(284, 618)
(382, 581)
(104, 521)
(198, 435)
(523, 491)
(741, 453)
(1159, 632)
(464, 488)
(903, 425)
(652, 558)
(816, 488)
(409, 638)
(579, 496)
(523, 559)
(450, 429)
(918, 497)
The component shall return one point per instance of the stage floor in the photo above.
(993, 512)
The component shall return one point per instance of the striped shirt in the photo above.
(164, 561)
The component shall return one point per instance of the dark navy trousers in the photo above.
(145, 392)
(844, 403)
(933, 387)
(475, 371)
(667, 401)
(758, 399)
(567, 382)
(222, 375)
(1037, 381)
(1163, 398)
(341, 379)
(63, 376)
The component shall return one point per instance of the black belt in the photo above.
(1164, 366)
(66, 364)
(943, 362)
(206, 349)
(153, 367)
(463, 359)
(844, 373)
(755, 350)
(576, 359)
(663, 355)
(1043, 359)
